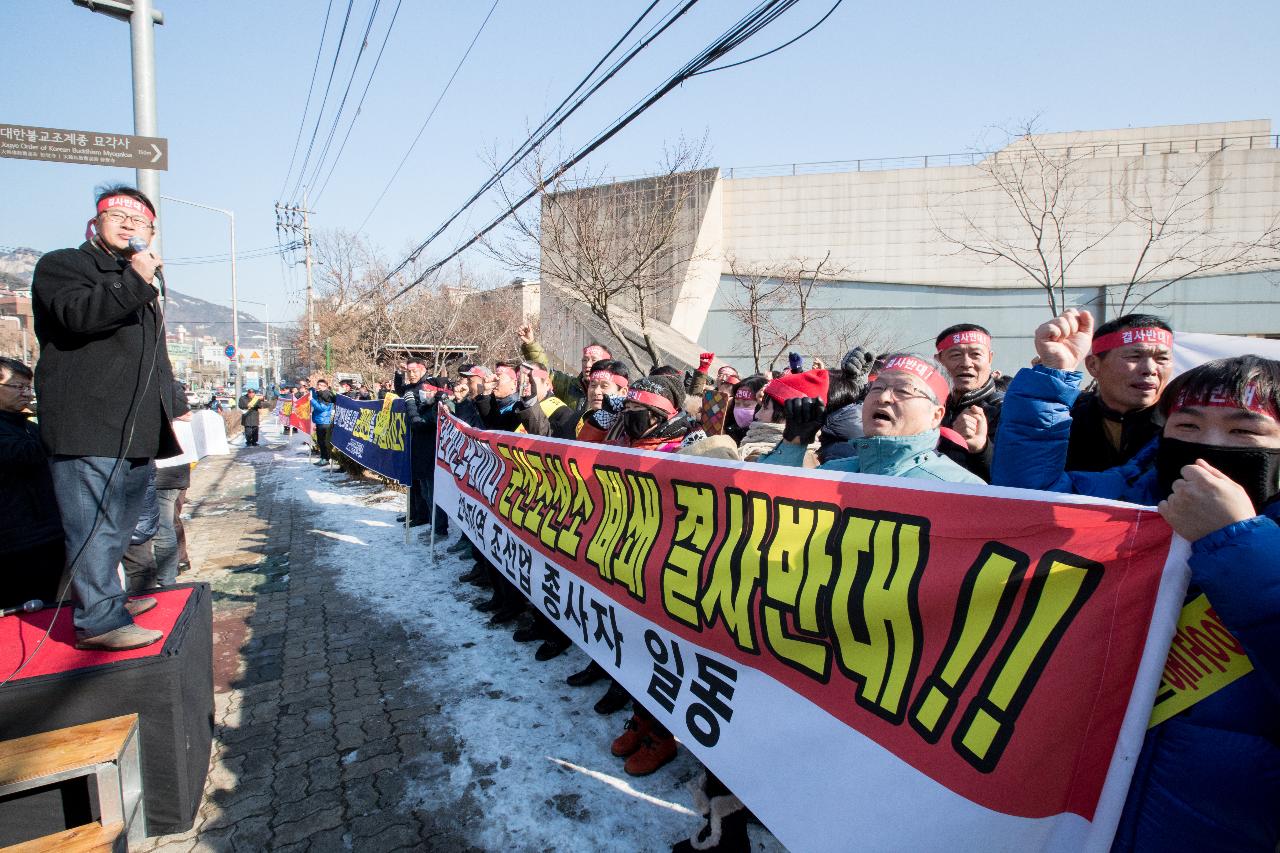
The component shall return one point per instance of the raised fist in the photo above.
(525, 333)
(1064, 341)
(971, 424)
(805, 416)
(704, 360)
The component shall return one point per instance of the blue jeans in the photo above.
(99, 513)
(166, 538)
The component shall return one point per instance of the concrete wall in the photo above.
(909, 316)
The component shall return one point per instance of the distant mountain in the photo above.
(199, 317)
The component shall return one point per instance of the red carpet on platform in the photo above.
(21, 634)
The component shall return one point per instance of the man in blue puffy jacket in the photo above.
(322, 402)
(1208, 778)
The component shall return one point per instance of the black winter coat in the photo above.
(421, 416)
(104, 375)
(989, 398)
(1089, 448)
(250, 416)
(28, 508)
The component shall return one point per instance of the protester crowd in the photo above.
(1204, 448)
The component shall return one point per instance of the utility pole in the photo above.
(311, 315)
(297, 220)
(141, 16)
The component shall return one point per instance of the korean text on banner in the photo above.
(846, 652)
(375, 434)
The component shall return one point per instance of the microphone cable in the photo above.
(126, 440)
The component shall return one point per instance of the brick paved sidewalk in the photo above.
(309, 699)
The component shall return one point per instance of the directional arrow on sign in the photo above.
(159, 153)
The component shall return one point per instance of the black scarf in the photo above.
(1255, 469)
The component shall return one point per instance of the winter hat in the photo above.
(663, 394)
(712, 447)
(810, 383)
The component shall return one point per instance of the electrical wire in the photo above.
(360, 106)
(315, 131)
(553, 122)
(346, 93)
(265, 251)
(785, 44)
(430, 114)
(297, 142)
(754, 22)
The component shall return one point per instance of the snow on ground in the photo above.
(534, 754)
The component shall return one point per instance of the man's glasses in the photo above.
(118, 218)
(21, 389)
(899, 391)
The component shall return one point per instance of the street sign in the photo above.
(230, 351)
(253, 358)
(89, 147)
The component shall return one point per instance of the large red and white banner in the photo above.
(869, 663)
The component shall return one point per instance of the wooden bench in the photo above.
(106, 750)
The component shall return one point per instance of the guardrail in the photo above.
(972, 158)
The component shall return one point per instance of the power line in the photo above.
(297, 142)
(552, 121)
(785, 44)
(320, 112)
(430, 114)
(359, 106)
(754, 22)
(346, 92)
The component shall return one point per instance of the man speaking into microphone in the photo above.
(103, 381)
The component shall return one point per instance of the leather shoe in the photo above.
(509, 613)
(462, 546)
(614, 699)
(527, 634)
(121, 639)
(551, 648)
(138, 606)
(400, 519)
(476, 576)
(593, 673)
(490, 605)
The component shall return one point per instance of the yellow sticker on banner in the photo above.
(1203, 658)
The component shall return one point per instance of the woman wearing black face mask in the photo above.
(1207, 778)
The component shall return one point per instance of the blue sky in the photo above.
(878, 79)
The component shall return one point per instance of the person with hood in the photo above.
(845, 391)
(901, 417)
(741, 418)
(1207, 778)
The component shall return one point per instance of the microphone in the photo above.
(30, 607)
(137, 244)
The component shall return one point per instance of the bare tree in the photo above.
(615, 246)
(1054, 215)
(357, 316)
(775, 304)
(1179, 240)
(1058, 214)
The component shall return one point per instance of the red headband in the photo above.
(919, 368)
(596, 352)
(972, 336)
(127, 202)
(1219, 398)
(505, 370)
(1126, 337)
(655, 401)
(745, 394)
(606, 376)
(726, 369)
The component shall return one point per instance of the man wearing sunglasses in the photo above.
(104, 380)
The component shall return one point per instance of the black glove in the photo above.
(855, 366)
(805, 416)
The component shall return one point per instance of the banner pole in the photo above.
(406, 513)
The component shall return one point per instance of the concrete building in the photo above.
(902, 246)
